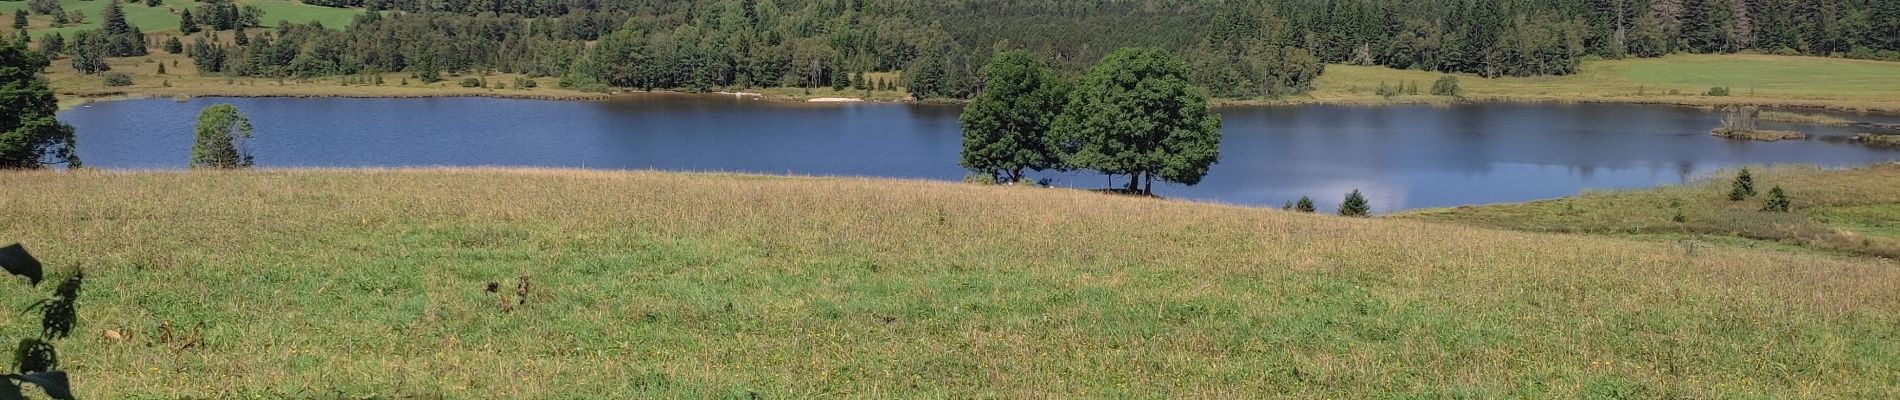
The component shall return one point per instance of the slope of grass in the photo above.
(1753, 79)
(164, 17)
(1854, 211)
(371, 284)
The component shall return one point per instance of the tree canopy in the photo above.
(1136, 114)
(220, 135)
(30, 135)
(1006, 127)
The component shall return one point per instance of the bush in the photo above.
(1355, 205)
(174, 46)
(1777, 201)
(117, 79)
(525, 83)
(1446, 86)
(1389, 91)
(470, 82)
(1716, 91)
(1305, 205)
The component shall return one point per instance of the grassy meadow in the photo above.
(164, 17)
(1851, 211)
(1676, 79)
(371, 283)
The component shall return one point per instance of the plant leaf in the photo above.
(10, 390)
(15, 260)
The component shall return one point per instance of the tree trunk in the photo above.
(1148, 188)
(1134, 183)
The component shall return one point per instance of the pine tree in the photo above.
(19, 19)
(1305, 205)
(1743, 187)
(1355, 205)
(1777, 201)
(186, 24)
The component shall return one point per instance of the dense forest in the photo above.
(1236, 48)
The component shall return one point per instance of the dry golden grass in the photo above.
(370, 283)
(1766, 135)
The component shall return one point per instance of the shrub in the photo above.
(1743, 187)
(1777, 201)
(1355, 205)
(1305, 205)
(117, 79)
(174, 46)
(1716, 91)
(525, 83)
(470, 82)
(1388, 91)
(1446, 86)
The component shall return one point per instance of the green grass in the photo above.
(1754, 80)
(164, 18)
(1850, 211)
(370, 284)
(1765, 75)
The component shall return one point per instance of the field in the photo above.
(371, 283)
(1854, 211)
(164, 18)
(1676, 79)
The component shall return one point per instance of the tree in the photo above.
(1305, 205)
(1136, 114)
(30, 134)
(1743, 187)
(174, 46)
(187, 24)
(19, 19)
(1006, 128)
(1355, 205)
(1777, 201)
(220, 135)
(52, 45)
(88, 52)
(122, 39)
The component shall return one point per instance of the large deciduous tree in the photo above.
(1136, 114)
(220, 135)
(1006, 127)
(30, 136)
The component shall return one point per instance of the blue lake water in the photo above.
(1400, 156)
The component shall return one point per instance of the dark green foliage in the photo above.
(116, 79)
(19, 19)
(1136, 114)
(470, 82)
(520, 83)
(154, 3)
(187, 24)
(219, 15)
(1743, 187)
(1006, 128)
(220, 135)
(88, 53)
(1355, 205)
(174, 46)
(30, 134)
(1777, 201)
(1716, 91)
(207, 56)
(161, 68)
(122, 39)
(1305, 205)
(1446, 86)
(35, 358)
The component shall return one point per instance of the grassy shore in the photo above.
(1852, 211)
(1762, 80)
(371, 283)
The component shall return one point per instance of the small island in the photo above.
(1740, 124)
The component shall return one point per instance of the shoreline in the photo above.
(68, 100)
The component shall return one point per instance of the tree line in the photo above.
(1235, 48)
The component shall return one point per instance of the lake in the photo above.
(1400, 156)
